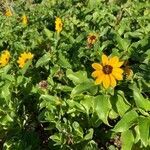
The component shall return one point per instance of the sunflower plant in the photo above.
(74, 75)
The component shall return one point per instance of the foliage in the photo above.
(52, 101)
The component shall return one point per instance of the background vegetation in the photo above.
(52, 102)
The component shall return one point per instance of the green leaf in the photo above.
(127, 139)
(63, 62)
(75, 106)
(77, 129)
(57, 137)
(88, 103)
(84, 87)
(119, 103)
(48, 101)
(127, 121)
(102, 107)
(92, 145)
(64, 88)
(19, 79)
(6, 94)
(93, 4)
(26, 66)
(76, 77)
(48, 33)
(140, 101)
(144, 129)
(6, 119)
(123, 44)
(5, 69)
(43, 60)
(89, 134)
(137, 134)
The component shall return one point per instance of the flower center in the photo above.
(60, 25)
(93, 37)
(107, 69)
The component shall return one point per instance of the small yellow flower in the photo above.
(24, 57)
(108, 71)
(58, 25)
(91, 39)
(4, 58)
(24, 19)
(8, 12)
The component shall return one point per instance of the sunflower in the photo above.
(58, 24)
(24, 57)
(108, 71)
(91, 39)
(128, 72)
(8, 12)
(24, 20)
(4, 58)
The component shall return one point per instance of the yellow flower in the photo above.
(8, 12)
(91, 39)
(58, 24)
(24, 57)
(4, 58)
(108, 71)
(24, 20)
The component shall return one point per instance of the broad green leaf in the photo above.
(144, 129)
(8, 77)
(88, 103)
(127, 139)
(64, 88)
(5, 69)
(48, 101)
(102, 107)
(75, 106)
(113, 114)
(80, 38)
(123, 44)
(48, 33)
(43, 60)
(76, 77)
(93, 4)
(137, 134)
(127, 121)
(84, 87)
(121, 104)
(140, 101)
(6, 93)
(63, 62)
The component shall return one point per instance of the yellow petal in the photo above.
(117, 70)
(104, 59)
(100, 79)
(117, 76)
(119, 64)
(113, 61)
(106, 81)
(97, 66)
(96, 74)
(112, 80)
